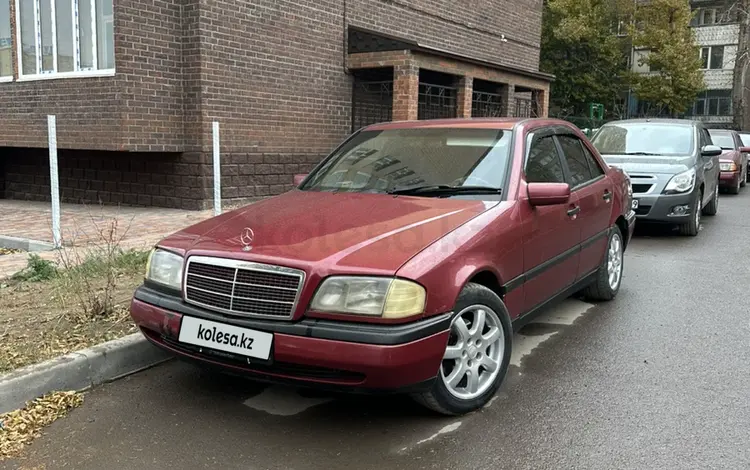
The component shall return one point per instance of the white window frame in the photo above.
(9, 78)
(78, 71)
(710, 53)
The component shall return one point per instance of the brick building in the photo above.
(136, 84)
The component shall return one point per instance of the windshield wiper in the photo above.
(445, 189)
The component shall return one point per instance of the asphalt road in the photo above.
(659, 378)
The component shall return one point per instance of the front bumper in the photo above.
(662, 207)
(729, 179)
(329, 354)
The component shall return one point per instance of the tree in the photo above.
(580, 48)
(663, 28)
(741, 93)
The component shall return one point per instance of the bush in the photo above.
(37, 270)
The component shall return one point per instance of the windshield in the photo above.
(394, 159)
(645, 138)
(745, 139)
(723, 140)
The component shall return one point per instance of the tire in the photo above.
(602, 289)
(712, 207)
(736, 188)
(444, 400)
(743, 177)
(691, 228)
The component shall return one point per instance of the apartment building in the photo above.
(136, 85)
(718, 31)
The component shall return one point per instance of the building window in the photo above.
(66, 37)
(6, 54)
(712, 57)
(714, 103)
(710, 16)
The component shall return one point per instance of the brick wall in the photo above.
(272, 72)
(138, 109)
(159, 179)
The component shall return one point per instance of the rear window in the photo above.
(645, 138)
(723, 140)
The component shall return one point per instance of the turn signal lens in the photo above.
(404, 299)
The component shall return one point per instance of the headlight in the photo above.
(375, 296)
(165, 267)
(682, 182)
(728, 166)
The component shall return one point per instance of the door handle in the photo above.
(607, 195)
(575, 210)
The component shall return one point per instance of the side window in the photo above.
(596, 169)
(576, 159)
(705, 138)
(543, 163)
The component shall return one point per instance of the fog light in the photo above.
(678, 211)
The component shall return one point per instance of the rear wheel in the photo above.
(609, 276)
(691, 228)
(476, 357)
(712, 207)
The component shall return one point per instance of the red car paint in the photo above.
(439, 243)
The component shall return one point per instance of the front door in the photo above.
(595, 196)
(551, 233)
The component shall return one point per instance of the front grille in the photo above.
(643, 210)
(642, 188)
(242, 288)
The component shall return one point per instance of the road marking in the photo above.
(525, 345)
(445, 430)
(283, 401)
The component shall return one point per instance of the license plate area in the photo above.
(253, 345)
(635, 204)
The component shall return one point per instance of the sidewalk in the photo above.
(145, 226)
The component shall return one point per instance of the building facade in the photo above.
(136, 84)
(720, 31)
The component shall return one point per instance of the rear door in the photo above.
(595, 192)
(711, 167)
(551, 233)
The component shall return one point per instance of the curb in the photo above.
(25, 244)
(79, 370)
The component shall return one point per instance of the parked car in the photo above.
(673, 166)
(401, 263)
(745, 138)
(733, 160)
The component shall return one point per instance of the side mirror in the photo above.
(548, 194)
(298, 179)
(711, 151)
(745, 149)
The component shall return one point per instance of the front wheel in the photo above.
(476, 356)
(692, 227)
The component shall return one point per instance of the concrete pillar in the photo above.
(464, 98)
(406, 92)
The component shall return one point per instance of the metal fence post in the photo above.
(53, 180)
(217, 170)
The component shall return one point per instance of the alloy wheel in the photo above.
(475, 351)
(698, 215)
(614, 261)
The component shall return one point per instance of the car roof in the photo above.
(686, 122)
(464, 123)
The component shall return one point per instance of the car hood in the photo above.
(649, 164)
(373, 233)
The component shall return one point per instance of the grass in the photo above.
(46, 311)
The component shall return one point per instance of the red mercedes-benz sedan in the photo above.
(733, 160)
(401, 263)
